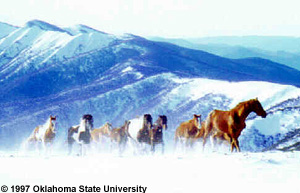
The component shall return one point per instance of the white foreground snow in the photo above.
(193, 172)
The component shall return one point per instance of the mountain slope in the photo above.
(46, 70)
(6, 29)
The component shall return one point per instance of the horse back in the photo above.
(220, 120)
(187, 128)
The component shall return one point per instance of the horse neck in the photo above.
(244, 110)
(83, 127)
(159, 123)
(50, 126)
(105, 129)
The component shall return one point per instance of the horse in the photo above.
(156, 133)
(120, 136)
(139, 129)
(44, 134)
(81, 133)
(188, 130)
(228, 125)
(99, 133)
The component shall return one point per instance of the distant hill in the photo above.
(242, 49)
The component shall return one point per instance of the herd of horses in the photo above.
(219, 125)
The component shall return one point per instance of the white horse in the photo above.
(81, 134)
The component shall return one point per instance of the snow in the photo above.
(193, 172)
(239, 91)
(6, 29)
(38, 43)
(128, 69)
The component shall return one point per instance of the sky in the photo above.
(166, 18)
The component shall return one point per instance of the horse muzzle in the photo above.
(264, 115)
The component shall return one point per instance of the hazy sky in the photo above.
(168, 18)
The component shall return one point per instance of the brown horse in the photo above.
(120, 136)
(228, 125)
(156, 133)
(98, 134)
(188, 130)
(44, 134)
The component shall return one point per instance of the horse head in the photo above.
(162, 121)
(197, 121)
(52, 122)
(107, 128)
(147, 121)
(88, 121)
(257, 108)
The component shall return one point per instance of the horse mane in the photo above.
(242, 104)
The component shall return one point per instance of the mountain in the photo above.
(38, 45)
(241, 49)
(268, 43)
(6, 29)
(46, 70)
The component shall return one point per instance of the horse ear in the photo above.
(256, 98)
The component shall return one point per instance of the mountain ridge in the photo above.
(117, 78)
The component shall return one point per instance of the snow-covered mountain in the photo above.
(6, 29)
(39, 44)
(68, 72)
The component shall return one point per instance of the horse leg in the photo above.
(175, 142)
(207, 129)
(152, 145)
(231, 144)
(212, 140)
(70, 148)
(237, 146)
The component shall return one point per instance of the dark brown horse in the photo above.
(120, 136)
(156, 133)
(81, 133)
(143, 135)
(228, 125)
(188, 130)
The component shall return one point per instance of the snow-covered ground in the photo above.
(193, 172)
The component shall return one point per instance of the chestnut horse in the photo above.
(44, 134)
(81, 133)
(104, 131)
(188, 130)
(228, 125)
(156, 133)
(120, 136)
